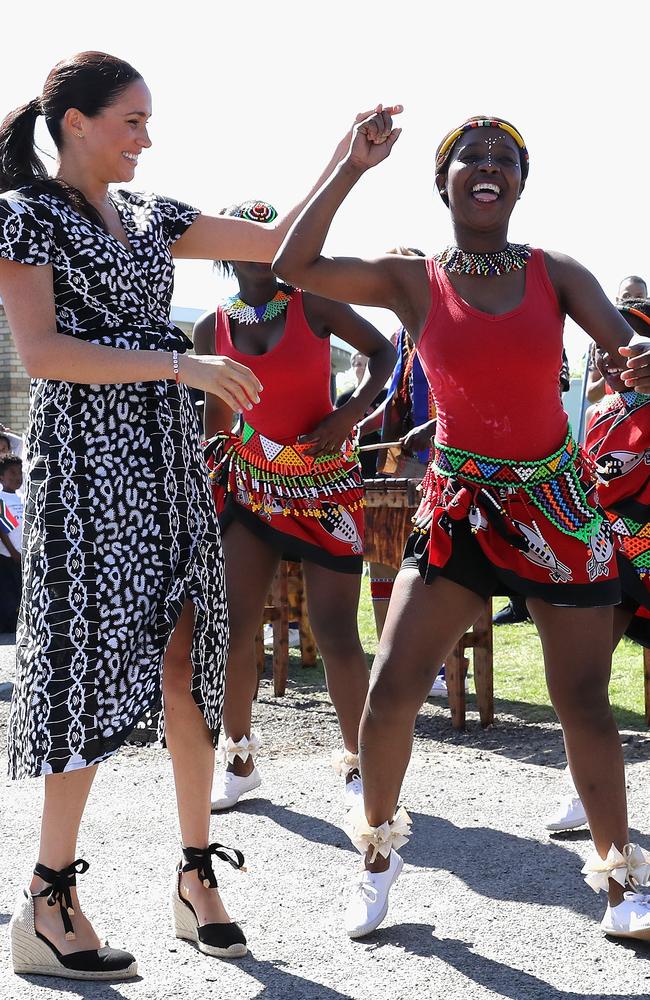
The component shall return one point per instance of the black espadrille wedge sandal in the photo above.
(33, 955)
(219, 940)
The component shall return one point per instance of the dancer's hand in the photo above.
(374, 136)
(419, 438)
(637, 373)
(328, 436)
(222, 377)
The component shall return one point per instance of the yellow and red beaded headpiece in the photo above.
(480, 121)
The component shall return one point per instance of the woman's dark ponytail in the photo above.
(19, 163)
(89, 81)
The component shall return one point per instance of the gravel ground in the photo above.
(488, 905)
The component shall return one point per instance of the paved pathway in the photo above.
(488, 906)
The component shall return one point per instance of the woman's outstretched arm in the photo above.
(223, 238)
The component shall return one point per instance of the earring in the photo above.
(79, 135)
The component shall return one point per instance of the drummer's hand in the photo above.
(637, 373)
(419, 438)
(222, 377)
(328, 436)
(374, 137)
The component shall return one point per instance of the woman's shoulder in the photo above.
(28, 198)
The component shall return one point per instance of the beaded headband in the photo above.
(480, 121)
(253, 211)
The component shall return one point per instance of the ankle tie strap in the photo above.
(199, 859)
(58, 890)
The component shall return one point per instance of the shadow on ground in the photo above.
(503, 980)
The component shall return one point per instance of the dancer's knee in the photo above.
(581, 703)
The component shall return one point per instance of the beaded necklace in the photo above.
(513, 257)
(236, 308)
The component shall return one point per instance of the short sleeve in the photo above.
(26, 230)
(176, 216)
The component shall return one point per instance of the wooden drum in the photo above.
(390, 505)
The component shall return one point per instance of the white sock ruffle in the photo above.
(629, 866)
(391, 835)
(344, 761)
(243, 748)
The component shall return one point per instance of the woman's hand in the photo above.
(373, 137)
(235, 384)
(328, 436)
(637, 373)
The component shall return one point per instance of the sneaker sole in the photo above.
(374, 924)
(562, 827)
(639, 935)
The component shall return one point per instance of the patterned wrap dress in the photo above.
(119, 521)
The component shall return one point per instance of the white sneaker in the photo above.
(631, 918)
(439, 687)
(353, 792)
(294, 636)
(569, 815)
(369, 903)
(228, 788)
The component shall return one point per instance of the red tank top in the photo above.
(495, 379)
(295, 375)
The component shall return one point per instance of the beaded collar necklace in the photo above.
(236, 308)
(513, 257)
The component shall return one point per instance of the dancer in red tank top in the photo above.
(508, 502)
(288, 485)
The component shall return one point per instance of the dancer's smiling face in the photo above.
(483, 179)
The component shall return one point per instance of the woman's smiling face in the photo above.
(483, 178)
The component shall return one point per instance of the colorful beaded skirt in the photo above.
(618, 442)
(305, 507)
(538, 523)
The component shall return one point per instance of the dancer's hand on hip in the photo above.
(637, 373)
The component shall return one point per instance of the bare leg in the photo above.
(64, 803)
(250, 566)
(190, 745)
(423, 625)
(577, 655)
(333, 602)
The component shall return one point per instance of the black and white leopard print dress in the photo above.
(119, 523)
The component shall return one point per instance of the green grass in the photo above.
(519, 685)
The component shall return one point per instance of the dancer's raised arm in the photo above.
(300, 261)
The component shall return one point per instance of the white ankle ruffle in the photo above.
(344, 761)
(629, 866)
(243, 748)
(382, 839)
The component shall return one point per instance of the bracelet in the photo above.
(176, 366)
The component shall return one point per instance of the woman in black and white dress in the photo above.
(122, 560)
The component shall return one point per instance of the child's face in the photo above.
(12, 478)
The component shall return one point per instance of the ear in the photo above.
(521, 189)
(441, 184)
(74, 121)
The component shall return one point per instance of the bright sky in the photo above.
(251, 97)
